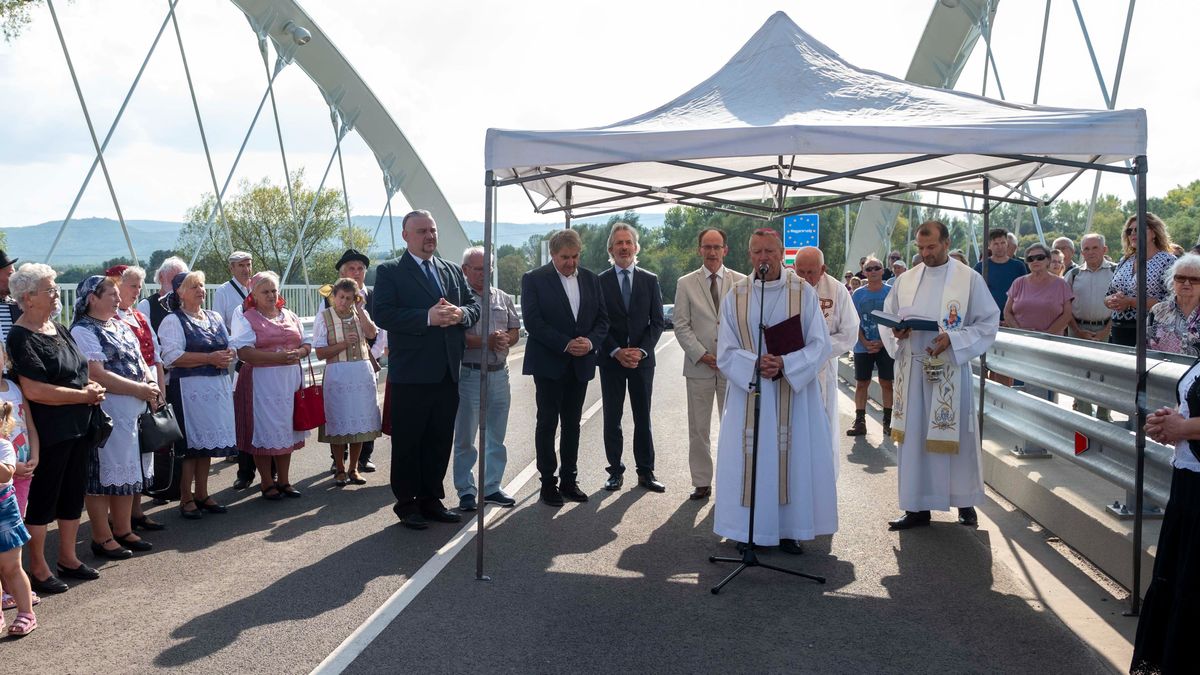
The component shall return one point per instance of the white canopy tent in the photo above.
(787, 117)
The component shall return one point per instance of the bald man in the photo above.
(842, 321)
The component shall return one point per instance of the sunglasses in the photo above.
(1182, 279)
(1035, 257)
(1128, 231)
(873, 268)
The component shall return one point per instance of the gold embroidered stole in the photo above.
(943, 416)
(795, 287)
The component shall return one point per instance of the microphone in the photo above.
(762, 271)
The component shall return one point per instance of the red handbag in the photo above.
(308, 403)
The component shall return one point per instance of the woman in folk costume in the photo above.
(269, 340)
(195, 346)
(352, 417)
(796, 496)
(932, 417)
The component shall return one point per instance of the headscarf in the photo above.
(83, 291)
(249, 303)
(172, 300)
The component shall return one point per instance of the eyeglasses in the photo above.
(52, 292)
(1128, 231)
(873, 268)
(1183, 279)
(1035, 258)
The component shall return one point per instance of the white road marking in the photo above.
(345, 654)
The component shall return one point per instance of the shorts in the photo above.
(865, 363)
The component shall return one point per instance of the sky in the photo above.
(446, 71)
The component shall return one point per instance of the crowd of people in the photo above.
(71, 407)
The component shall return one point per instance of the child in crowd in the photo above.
(24, 438)
(13, 534)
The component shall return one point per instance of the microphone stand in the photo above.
(749, 557)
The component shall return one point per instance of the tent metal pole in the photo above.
(187, 73)
(567, 206)
(333, 117)
(1037, 80)
(111, 129)
(1135, 593)
(92, 130)
(485, 310)
(392, 224)
(846, 251)
(983, 256)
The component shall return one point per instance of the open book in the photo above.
(903, 320)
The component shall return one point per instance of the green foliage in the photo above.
(258, 219)
(15, 16)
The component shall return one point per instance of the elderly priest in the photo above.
(796, 496)
(932, 415)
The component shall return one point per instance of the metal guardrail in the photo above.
(1095, 372)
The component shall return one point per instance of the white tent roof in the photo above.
(788, 117)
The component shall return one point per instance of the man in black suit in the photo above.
(353, 265)
(565, 317)
(635, 314)
(425, 305)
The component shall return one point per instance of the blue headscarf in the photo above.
(83, 291)
(172, 300)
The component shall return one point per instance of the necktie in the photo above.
(626, 288)
(714, 291)
(432, 277)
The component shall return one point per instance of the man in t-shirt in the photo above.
(9, 311)
(1002, 269)
(869, 353)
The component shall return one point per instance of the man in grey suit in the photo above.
(426, 307)
(698, 297)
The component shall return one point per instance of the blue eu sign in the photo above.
(801, 230)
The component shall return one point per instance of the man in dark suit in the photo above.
(425, 305)
(635, 314)
(565, 317)
(353, 265)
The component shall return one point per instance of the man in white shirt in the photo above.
(698, 297)
(228, 299)
(1091, 319)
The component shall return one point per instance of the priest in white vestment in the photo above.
(842, 321)
(796, 496)
(933, 416)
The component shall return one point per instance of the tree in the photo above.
(14, 17)
(258, 220)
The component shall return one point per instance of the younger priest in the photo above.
(933, 416)
(796, 497)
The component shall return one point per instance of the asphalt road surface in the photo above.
(617, 584)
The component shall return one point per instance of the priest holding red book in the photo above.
(796, 496)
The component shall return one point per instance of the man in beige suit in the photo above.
(698, 297)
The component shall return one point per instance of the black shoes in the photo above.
(614, 482)
(139, 545)
(648, 481)
(193, 514)
(410, 519)
(98, 550)
(909, 519)
(440, 514)
(887, 421)
(366, 466)
(242, 483)
(571, 492)
(144, 523)
(51, 585)
(82, 572)
(790, 546)
(968, 517)
(500, 499)
(551, 496)
(703, 492)
(467, 503)
(214, 507)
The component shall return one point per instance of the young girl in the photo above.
(13, 534)
(25, 441)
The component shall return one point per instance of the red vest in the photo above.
(141, 328)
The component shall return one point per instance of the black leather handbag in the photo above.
(100, 427)
(158, 429)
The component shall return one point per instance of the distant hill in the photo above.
(93, 240)
(90, 240)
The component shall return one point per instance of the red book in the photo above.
(785, 337)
